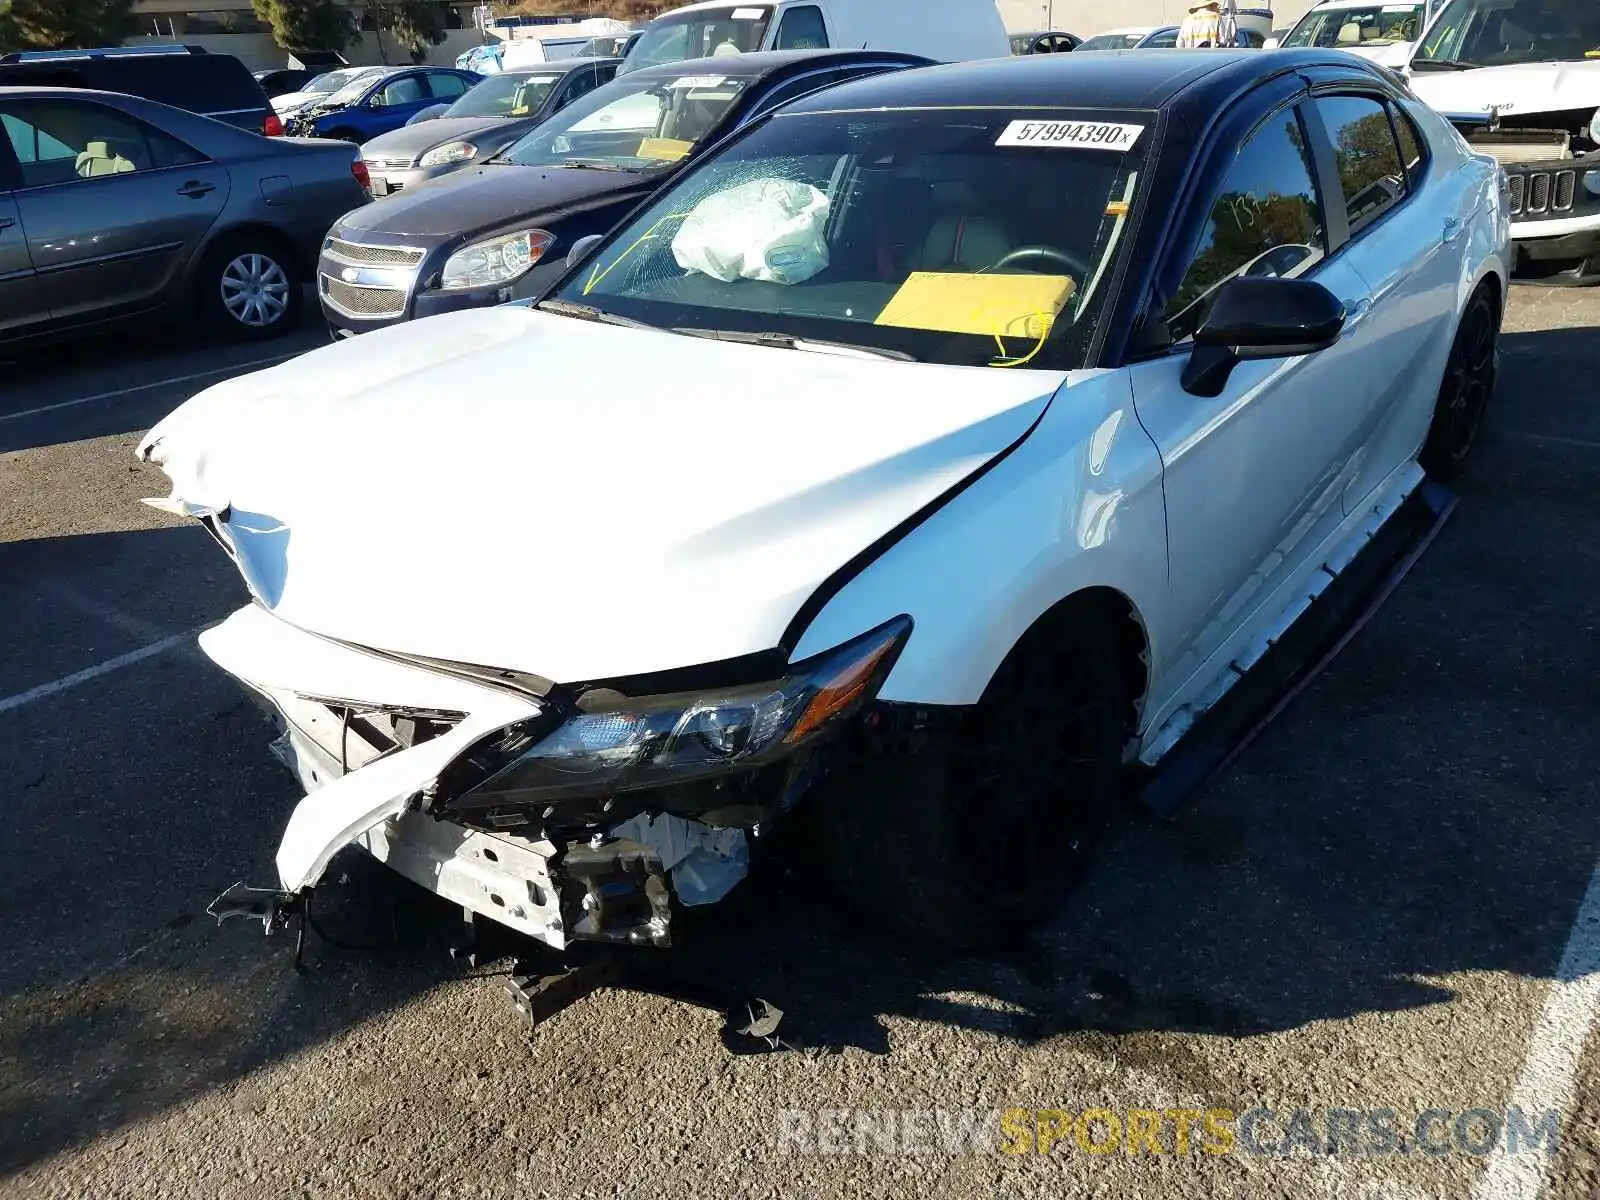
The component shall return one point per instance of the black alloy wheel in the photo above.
(1469, 379)
(978, 835)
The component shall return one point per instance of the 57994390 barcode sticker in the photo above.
(1071, 135)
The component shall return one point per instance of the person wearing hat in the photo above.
(1202, 28)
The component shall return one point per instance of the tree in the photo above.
(307, 24)
(10, 37)
(414, 24)
(67, 24)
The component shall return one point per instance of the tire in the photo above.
(973, 841)
(248, 289)
(1469, 379)
(344, 135)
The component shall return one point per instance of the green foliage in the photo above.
(307, 24)
(65, 24)
(414, 24)
(10, 37)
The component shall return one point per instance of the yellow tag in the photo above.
(998, 305)
(663, 149)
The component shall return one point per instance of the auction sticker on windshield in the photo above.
(1076, 135)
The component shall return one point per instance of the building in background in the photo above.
(231, 27)
(1089, 17)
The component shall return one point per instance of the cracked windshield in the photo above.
(954, 236)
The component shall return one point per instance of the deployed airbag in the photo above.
(771, 230)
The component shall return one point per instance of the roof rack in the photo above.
(22, 56)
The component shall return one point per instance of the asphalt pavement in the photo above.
(1387, 905)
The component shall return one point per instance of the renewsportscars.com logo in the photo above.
(1172, 1132)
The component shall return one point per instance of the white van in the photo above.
(948, 31)
(531, 45)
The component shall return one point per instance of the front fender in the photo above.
(1076, 504)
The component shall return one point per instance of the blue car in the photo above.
(376, 104)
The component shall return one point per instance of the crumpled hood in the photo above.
(1514, 90)
(291, 102)
(514, 489)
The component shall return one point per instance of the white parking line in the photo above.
(1549, 1073)
(99, 669)
(1551, 439)
(148, 387)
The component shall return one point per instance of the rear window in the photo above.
(198, 82)
(205, 83)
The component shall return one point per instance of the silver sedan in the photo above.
(113, 207)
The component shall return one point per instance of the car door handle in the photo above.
(194, 189)
(1355, 312)
(6, 222)
(1452, 228)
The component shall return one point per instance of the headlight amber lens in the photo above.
(494, 260)
(650, 742)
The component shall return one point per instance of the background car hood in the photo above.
(294, 101)
(410, 141)
(480, 198)
(1396, 55)
(491, 487)
(1515, 90)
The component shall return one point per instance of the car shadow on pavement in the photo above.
(1422, 812)
(125, 380)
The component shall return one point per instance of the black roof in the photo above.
(762, 63)
(1147, 79)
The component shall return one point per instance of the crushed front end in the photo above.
(1552, 165)
(563, 812)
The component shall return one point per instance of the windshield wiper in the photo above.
(785, 341)
(1441, 64)
(590, 164)
(585, 312)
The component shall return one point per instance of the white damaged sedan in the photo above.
(928, 455)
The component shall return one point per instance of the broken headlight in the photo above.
(614, 743)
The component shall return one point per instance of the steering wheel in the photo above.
(1048, 253)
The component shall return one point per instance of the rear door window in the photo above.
(1411, 151)
(1371, 173)
(447, 87)
(802, 29)
(407, 89)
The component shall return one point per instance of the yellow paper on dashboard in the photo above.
(997, 305)
(663, 149)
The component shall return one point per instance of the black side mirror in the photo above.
(1255, 318)
(581, 247)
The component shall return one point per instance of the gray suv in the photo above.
(113, 207)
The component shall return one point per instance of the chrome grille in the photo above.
(1543, 192)
(389, 164)
(1566, 190)
(372, 256)
(1538, 192)
(354, 301)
